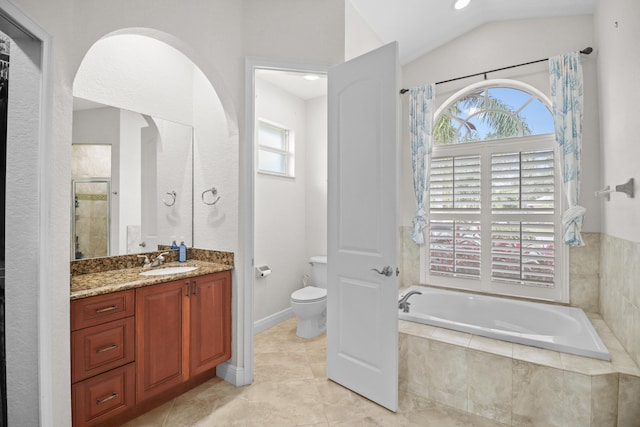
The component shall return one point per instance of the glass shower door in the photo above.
(90, 217)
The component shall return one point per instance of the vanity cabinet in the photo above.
(184, 330)
(136, 349)
(102, 357)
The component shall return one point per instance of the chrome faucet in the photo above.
(159, 259)
(146, 264)
(404, 304)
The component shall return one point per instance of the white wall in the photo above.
(280, 221)
(619, 88)
(129, 175)
(290, 213)
(140, 74)
(216, 35)
(174, 173)
(359, 38)
(502, 44)
(215, 157)
(316, 179)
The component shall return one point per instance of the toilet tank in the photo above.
(318, 271)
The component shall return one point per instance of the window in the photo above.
(494, 205)
(275, 150)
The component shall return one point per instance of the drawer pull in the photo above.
(106, 399)
(108, 348)
(105, 309)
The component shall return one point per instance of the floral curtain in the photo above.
(566, 97)
(421, 109)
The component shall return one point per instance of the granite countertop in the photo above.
(92, 284)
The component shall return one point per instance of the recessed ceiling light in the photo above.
(461, 4)
(311, 77)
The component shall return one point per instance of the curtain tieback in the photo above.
(572, 220)
(419, 223)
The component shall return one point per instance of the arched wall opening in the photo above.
(153, 73)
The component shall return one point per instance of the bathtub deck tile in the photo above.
(451, 337)
(416, 329)
(585, 365)
(623, 363)
(489, 345)
(537, 355)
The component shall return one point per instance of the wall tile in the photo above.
(418, 352)
(628, 407)
(447, 375)
(536, 392)
(604, 400)
(619, 291)
(576, 399)
(489, 381)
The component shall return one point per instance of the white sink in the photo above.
(169, 270)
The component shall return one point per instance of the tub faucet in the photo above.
(404, 303)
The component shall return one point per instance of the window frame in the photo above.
(560, 291)
(288, 152)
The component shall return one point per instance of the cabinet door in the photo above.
(210, 321)
(160, 347)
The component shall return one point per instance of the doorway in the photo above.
(33, 332)
(286, 169)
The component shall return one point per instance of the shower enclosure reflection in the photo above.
(90, 217)
(136, 160)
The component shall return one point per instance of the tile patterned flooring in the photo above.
(291, 389)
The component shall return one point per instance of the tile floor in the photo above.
(290, 389)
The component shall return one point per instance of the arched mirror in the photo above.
(137, 104)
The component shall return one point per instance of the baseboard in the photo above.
(273, 320)
(231, 374)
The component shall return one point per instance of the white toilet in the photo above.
(309, 304)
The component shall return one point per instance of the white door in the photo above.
(362, 325)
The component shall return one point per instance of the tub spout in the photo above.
(404, 303)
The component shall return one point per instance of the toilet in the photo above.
(309, 304)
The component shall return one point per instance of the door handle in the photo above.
(386, 271)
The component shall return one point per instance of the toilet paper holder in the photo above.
(262, 271)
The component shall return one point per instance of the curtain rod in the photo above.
(585, 51)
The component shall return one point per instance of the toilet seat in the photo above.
(309, 294)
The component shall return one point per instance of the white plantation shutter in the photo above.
(522, 252)
(455, 183)
(522, 181)
(493, 216)
(455, 248)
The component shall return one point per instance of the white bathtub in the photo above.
(559, 328)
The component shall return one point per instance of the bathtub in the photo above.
(553, 327)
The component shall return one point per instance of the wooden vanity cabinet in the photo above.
(134, 350)
(102, 357)
(183, 330)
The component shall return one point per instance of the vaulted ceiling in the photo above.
(420, 26)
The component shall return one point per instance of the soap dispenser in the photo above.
(182, 252)
(174, 245)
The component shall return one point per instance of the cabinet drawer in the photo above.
(99, 348)
(100, 309)
(104, 396)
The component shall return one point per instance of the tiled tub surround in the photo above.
(112, 274)
(550, 326)
(584, 269)
(519, 385)
(620, 291)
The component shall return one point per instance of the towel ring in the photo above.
(171, 202)
(214, 193)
